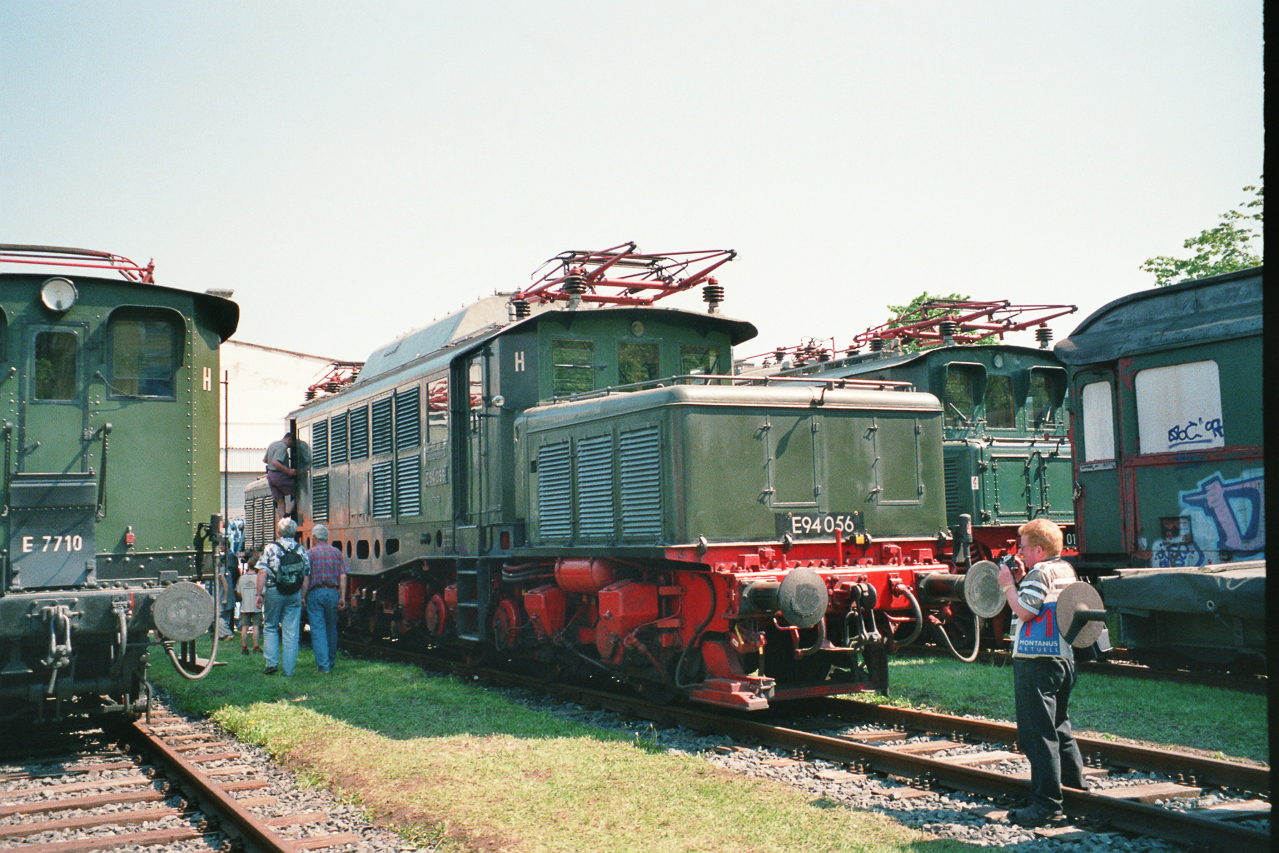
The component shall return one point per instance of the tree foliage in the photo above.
(1234, 244)
(915, 305)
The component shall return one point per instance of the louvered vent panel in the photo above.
(408, 418)
(595, 484)
(266, 520)
(337, 439)
(359, 420)
(320, 444)
(554, 492)
(950, 470)
(382, 426)
(408, 486)
(383, 490)
(641, 483)
(320, 497)
(252, 524)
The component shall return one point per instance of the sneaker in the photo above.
(244, 650)
(1032, 816)
(257, 650)
(271, 670)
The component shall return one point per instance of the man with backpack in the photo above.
(281, 571)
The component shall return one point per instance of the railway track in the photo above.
(161, 784)
(1133, 789)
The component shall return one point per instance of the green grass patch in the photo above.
(1227, 722)
(450, 764)
(447, 763)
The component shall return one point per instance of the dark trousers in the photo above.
(1041, 687)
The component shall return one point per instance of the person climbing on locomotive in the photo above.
(324, 593)
(282, 571)
(279, 476)
(1043, 671)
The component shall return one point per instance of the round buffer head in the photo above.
(802, 597)
(1073, 603)
(183, 611)
(981, 590)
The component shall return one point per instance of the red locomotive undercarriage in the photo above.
(730, 625)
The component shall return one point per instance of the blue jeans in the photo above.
(322, 610)
(1042, 688)
(282, 621)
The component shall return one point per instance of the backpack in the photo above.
(288, 577)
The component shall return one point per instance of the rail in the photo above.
(752, 380)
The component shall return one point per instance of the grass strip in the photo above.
(449, 764)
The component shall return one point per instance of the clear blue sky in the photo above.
(355, 170)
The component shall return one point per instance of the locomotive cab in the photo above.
(110, 476)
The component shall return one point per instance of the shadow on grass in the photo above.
(409, 703)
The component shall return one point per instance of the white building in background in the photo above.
(262, 385)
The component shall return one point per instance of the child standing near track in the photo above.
(250, 610)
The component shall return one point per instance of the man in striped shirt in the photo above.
(1043, 670)
(324, 595)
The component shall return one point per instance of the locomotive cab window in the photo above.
(998, 402)
(636, 362)
(1046, 393)
(437, 409)
(698, 360)
(56, 365)
(965, 385)
(143, 354)
(574, 371)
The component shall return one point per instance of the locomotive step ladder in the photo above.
(473, 588)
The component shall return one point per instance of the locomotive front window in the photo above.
(574, 371)
(999, 402)
(636, 362)
(1047, 389)
(56, 361)
(698, 360)
(961, 394)
(143, 357)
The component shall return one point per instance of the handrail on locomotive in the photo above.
(16, 253)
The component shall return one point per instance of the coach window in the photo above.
(636, 362)
(57, 356)
(1179, 408)
(1047, 390)
(998, 402)
(1098, 416)
(964, 387)
(574, 371)
(143, 355)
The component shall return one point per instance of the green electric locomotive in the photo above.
(1005, 442)
(1168, 428)
(569, 476)
(110, 479)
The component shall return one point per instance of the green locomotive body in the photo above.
(111, 401)
(584, 486)
(1168, 428)
(1005, 441)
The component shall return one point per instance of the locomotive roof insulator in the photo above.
(713, 295)
(1044, 335)
(947, 329)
